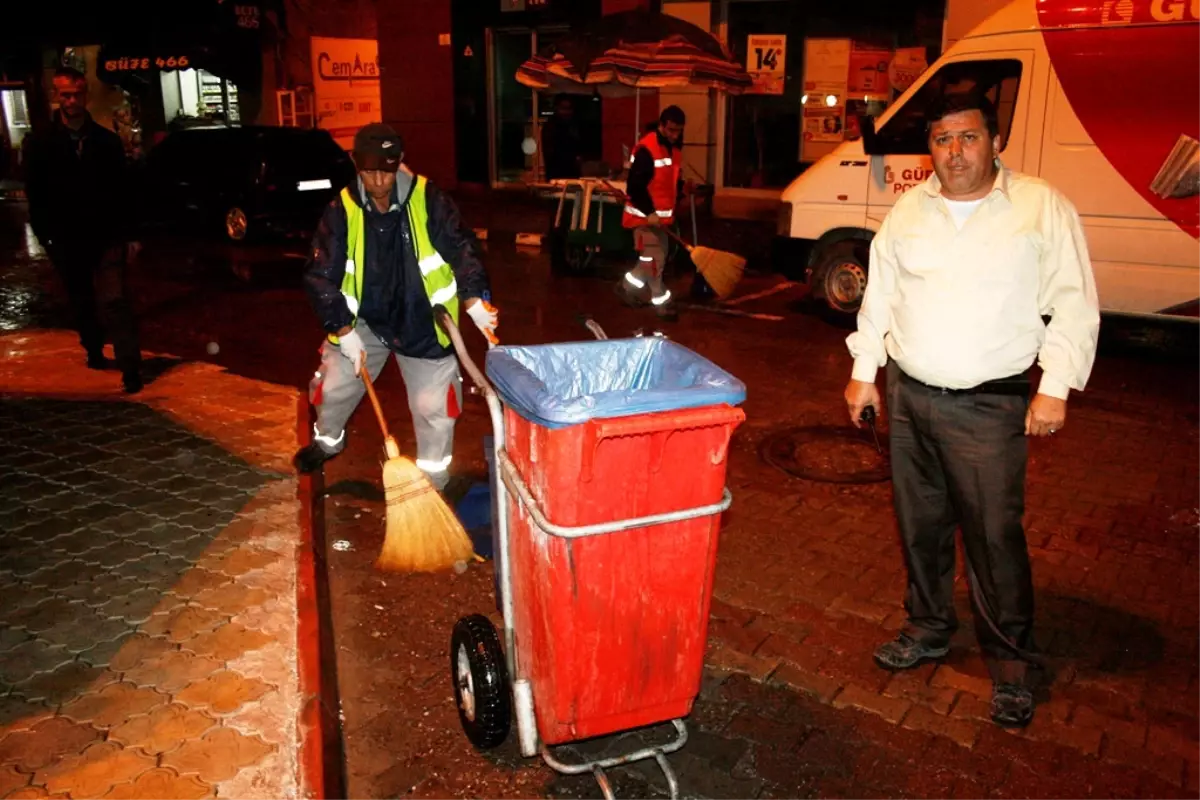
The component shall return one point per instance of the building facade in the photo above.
(448, 84)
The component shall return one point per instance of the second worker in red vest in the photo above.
(652, 189)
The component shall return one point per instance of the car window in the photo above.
(998, 79)
(294, 154)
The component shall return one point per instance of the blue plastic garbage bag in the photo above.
(558, 385)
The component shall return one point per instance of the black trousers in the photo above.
(97, 289)
(958, 461)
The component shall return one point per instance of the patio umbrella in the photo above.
(626, 52)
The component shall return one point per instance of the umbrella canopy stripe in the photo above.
(636, 49)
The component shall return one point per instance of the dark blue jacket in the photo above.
(394, 303)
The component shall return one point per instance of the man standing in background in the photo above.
(77, 185)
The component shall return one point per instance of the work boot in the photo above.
(309, 459)
(905, 652)
(667, 312)
(631, 295)
(1012, 705)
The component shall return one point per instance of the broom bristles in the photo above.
(721, 270)
(423, 533)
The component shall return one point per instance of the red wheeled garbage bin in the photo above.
(612, 628)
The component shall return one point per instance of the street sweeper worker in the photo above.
(388, 250)
(652, 189)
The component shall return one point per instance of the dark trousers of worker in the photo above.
(97, 288)
(958, 461)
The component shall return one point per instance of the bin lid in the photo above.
(557, 385)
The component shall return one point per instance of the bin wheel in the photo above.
(481, 687)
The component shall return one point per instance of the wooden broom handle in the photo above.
(682, 242)
(366, 376)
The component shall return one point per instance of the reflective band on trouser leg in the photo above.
(665, 213)
(328, 441)
(434, 467)
(634, 281)
(662, 298)
(634, 211)
(351, 303)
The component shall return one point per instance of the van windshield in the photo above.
(998, 79)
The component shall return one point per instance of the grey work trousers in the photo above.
(429, 383)
(652, 244)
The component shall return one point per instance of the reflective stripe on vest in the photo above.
(663, 187)
(436, 275)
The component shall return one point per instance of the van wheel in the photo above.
(840, 275)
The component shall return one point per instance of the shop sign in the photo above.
(247, 16)
(906, 66)
(766, 61)
(126, 64)
(345, 85)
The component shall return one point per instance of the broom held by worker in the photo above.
(652, 189)
(389, 249)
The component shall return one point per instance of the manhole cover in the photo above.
(828, 454)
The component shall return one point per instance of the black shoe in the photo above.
(98, 361)
(905, 652)
(1012, 705)
(133, 382)
(667, 312)
(456, 489)
(309, 459)
(630, 296)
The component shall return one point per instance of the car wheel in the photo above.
(237, 224)
(839, 275)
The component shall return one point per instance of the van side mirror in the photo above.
(871, 144)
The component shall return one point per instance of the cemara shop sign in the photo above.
(345, 85)
(344, 65)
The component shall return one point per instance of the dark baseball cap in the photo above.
(378, 146)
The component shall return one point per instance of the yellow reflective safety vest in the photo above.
(436, 274)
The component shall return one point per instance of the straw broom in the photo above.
(423, 534)
(721, 270)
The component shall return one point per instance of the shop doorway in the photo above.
(519, 115)
(14, 124)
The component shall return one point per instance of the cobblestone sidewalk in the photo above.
(148, 569)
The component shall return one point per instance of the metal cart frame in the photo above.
(510, 483)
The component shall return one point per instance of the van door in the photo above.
(1005, 76)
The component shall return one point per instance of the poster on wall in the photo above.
(345, 86)
(822, 120)
(766, 61)
(868, 73)
(906, 66)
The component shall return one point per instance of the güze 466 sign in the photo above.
(127, 64)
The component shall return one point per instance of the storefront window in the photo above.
(762, 136)
(521, 115)
(763, 132)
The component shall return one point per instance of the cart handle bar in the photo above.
(518, 487)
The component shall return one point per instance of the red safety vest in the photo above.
(664, 186)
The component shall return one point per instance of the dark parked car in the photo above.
(244, 181)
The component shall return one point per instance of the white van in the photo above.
(1099, 97)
